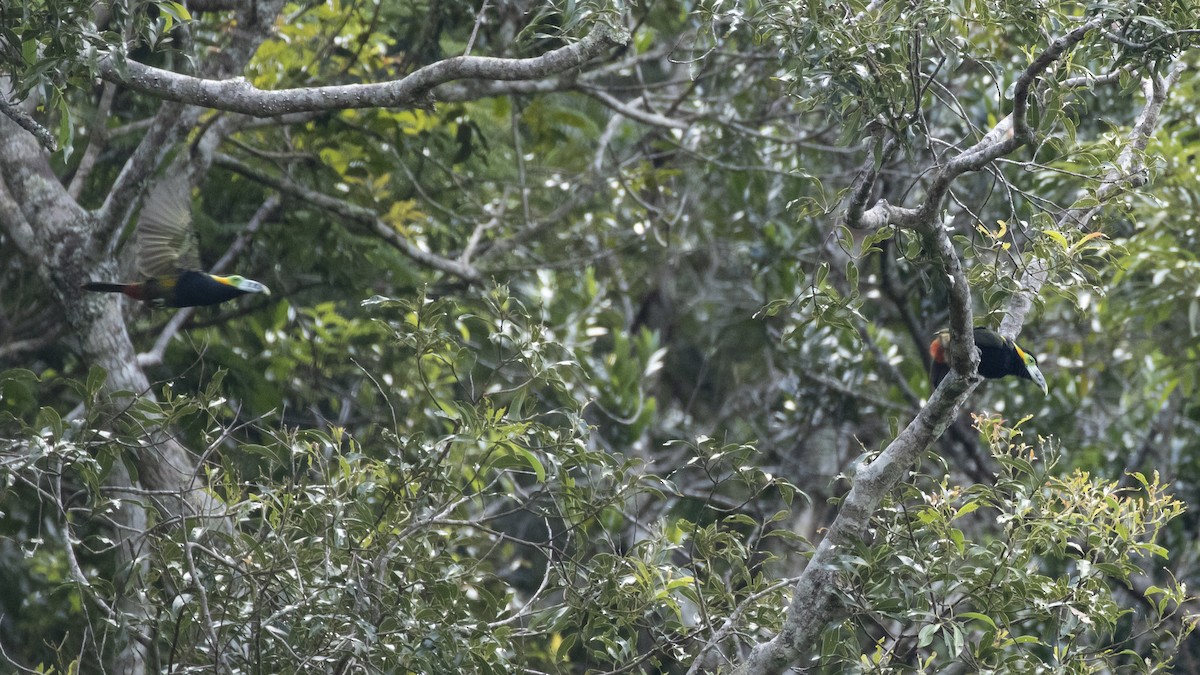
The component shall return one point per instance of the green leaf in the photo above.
(65, 136)
(983, 618)
(969, 507)
(531, 460)
(96, 378)
(956, 536)
(1058, 238)
(926, 635)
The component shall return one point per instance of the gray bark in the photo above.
(238, 95)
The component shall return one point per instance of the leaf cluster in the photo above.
(1028, 574)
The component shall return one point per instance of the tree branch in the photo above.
(253, 23)
(97, 141)
(26, 122)
(633, 110)
(1126, 173)
(860, 192)
(238, 95)
(125, 189)
(357, 214)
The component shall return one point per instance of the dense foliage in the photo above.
(569, 372)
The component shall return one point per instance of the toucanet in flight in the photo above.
(169, 257)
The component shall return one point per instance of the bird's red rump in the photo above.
(135, 291)
(937, 351)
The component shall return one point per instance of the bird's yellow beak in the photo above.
(1035, 373)
(245, 285)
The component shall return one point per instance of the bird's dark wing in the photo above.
(938, 370)
(988, 339)
(166, 240)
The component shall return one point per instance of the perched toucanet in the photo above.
(998, 357)
(169, 256)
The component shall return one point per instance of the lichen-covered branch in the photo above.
(41, 133)
(238, 95)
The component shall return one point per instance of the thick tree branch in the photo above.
(119, 201)
(609, 71)
(252, 26)
(238, 95)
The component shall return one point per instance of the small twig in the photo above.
(264, 213)
(97, 141)
(602, 144)
(477, 234)
(633, 110)
(355, 213)
(519, 155)
(207, 625)
(475, 30)
(26, 122)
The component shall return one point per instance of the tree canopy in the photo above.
(599, 337)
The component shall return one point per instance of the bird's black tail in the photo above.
(102, 287)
